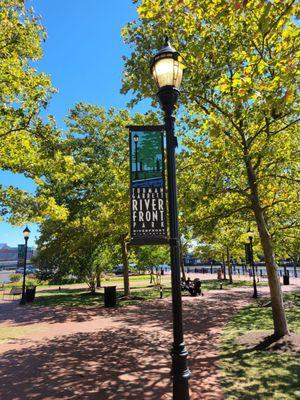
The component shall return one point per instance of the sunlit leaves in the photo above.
(27, 145)
(241, 100)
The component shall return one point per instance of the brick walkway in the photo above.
(115, 354)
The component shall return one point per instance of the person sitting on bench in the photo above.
(197, 286)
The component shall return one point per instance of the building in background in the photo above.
(10, 257)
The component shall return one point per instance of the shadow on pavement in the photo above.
(131, 362)
(115, 365)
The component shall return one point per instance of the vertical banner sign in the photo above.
(147, 185)
(21, 255)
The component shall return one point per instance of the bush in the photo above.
(15, 277)
(31, 282)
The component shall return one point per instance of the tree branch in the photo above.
(279, 18)
(21, 128)
(285, 127)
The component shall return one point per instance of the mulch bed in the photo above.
(263, 340)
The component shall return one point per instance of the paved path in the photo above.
(113, 354)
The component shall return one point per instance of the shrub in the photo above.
(15, 277)
(31, 282)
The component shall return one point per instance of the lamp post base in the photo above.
(22, 302)
(180, 372)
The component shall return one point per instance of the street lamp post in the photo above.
(136, 139)
(167, 72)
(26, 234)
(295, 269)
(232, 261)
(250, 237)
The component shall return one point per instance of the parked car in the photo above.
(29, 270)
(119, 269)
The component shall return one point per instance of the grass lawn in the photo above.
(260, 374)
(214, 284)
(81, 297)
(140, 289)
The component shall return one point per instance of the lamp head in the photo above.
(250, 234)
(166, 68)
(26, 233)
(135, 138)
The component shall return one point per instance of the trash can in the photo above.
(110, 296)
(286, 279)
(30, 293)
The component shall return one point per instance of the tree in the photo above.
(150, 257)
(71, 248)
(94, 186)
(240, 104)
(105, 136)
(105, 257)
(27, 145)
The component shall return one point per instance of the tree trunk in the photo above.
(125, 268)
(98, 278)
(229, 264)
(157, 277)
(182, 263)
(295, 268)
(279, 318)
(224, 267)
(151, 275)
(92, 286)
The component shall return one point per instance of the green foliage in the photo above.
(15, 277)
(151, 256)
(27, 145)
(93, 188)
(32, 281)
(241, 103)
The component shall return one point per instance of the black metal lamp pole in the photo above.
(26, 234)
(250, 236)
(168, 94)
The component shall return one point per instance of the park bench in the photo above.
(194, 288)
(14, 291)
(262, 277)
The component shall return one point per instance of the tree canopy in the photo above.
(93, 189)
(240, 110)
(27, 144)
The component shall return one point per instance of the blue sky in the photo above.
(83, 57)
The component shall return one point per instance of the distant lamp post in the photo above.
(250, 237)
(232, 262)
(136, 139)
(157, 165)
(167, 72)
(26, 234)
